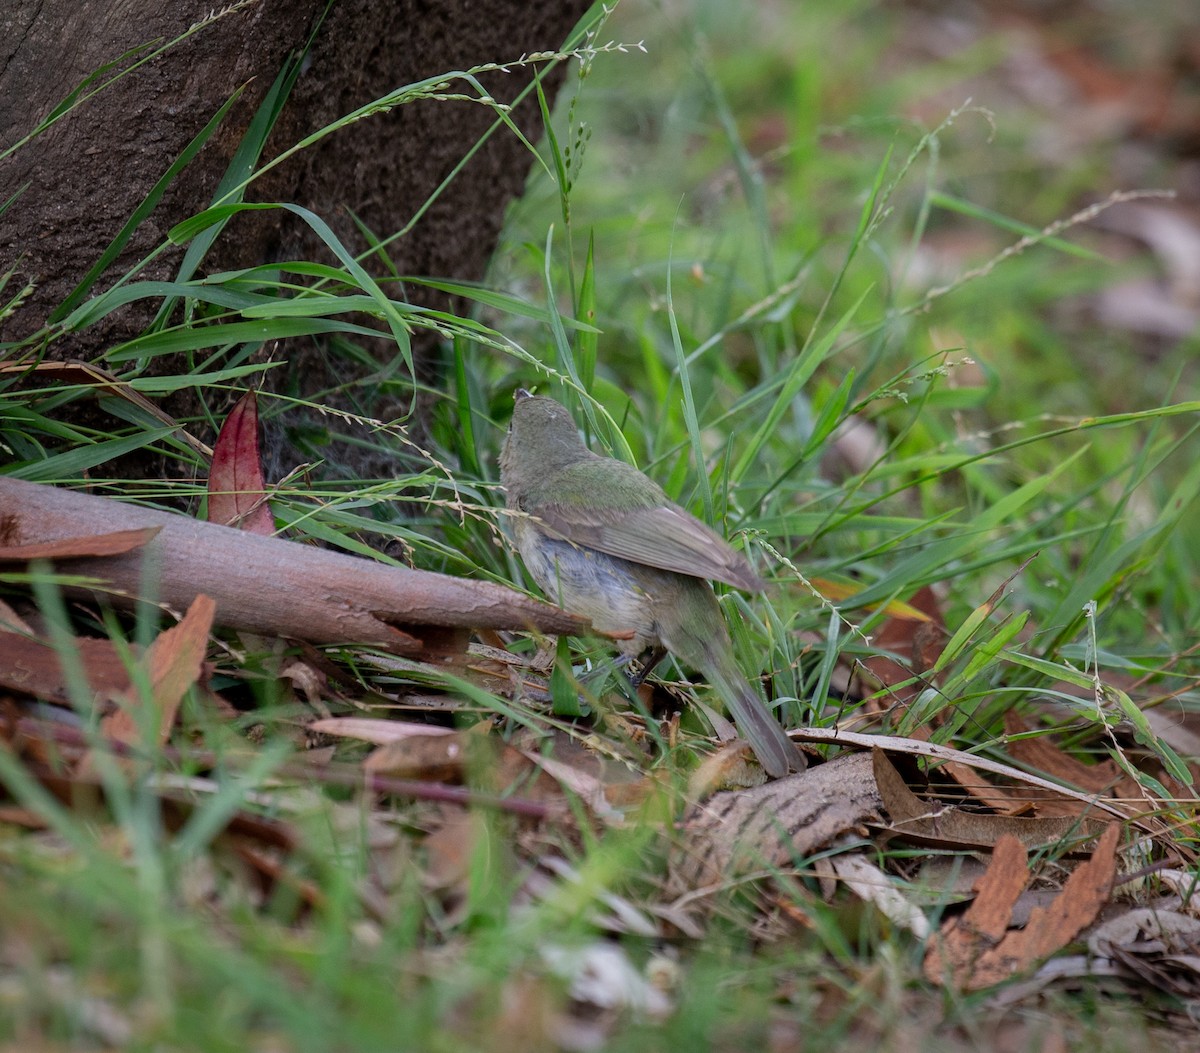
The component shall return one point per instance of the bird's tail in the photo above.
(702, 641)
(775, 751)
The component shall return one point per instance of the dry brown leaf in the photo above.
(1160, 947)
(587, 787)
(916, 645)
(372, 729)
(935, 751)
(33, 667)
(450, 849)
(115, 543)
(731, 767)
(978, 950)
(174, 662)
(264, 842)
(1000, 799)
(872, 885)
(596, 776)
(309, 680)
(925, 822)
(1169, 718)
(1041, 753)
(771, 826)
(514, 773)
(435, 756)
(465, 756)
(955, 955)
(27, 818)
(1075, 908)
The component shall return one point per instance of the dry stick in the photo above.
(268, 585)
(348, 776)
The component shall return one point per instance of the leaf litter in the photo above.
(462, 807)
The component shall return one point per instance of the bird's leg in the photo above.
(650, 658)
(602, 669)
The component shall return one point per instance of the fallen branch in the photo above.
(261, 584)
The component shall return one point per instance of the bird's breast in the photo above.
(602, 588)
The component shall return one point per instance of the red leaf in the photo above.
(236, 489)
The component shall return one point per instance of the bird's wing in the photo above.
(664, 536)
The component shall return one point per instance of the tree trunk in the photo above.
(84, 177)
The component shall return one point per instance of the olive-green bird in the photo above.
(604, 541)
